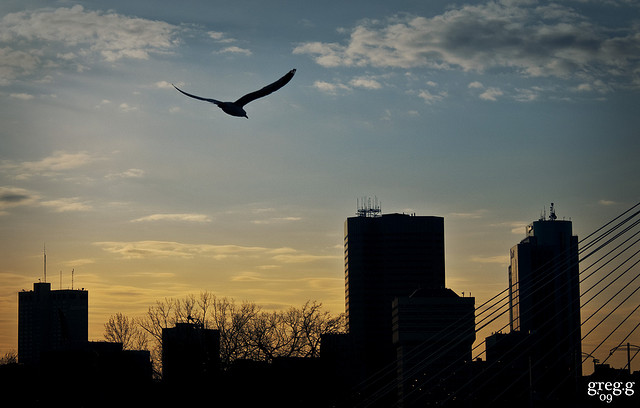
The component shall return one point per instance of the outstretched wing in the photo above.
(266, 90)
(197, 97)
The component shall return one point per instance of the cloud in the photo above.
(303, 258)
(365, 82)
(127, 174)
(11, 197)
(23, 96)
(125, 107)
(74, 263)
(174, 217)
(330, 88)
(235, 50)
(430, 98)
(15, 197)
(526, 95)
(220, 37)
(163, 85)
(491, 94)
(67, 204)
(530, 39)
(64, 36)
(59, 161)
(607, 202)
(498, 259)
(276, 220)
(469, 215)
(169, 249)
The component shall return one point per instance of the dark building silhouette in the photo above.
(50, 320)
(389, 257)
(190, 354)
(544, 301)
(433, 331)
(385, 257)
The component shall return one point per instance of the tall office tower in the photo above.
(544, 303)
(50, 320)
(386, 256)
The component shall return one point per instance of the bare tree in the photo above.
(246, 331)
(122, 329)
(10, 357)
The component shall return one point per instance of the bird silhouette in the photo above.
(236, 108)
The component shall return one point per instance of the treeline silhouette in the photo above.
(247, 331)
(263, 357)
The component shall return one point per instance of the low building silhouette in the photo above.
(433, 331)
(190, 354)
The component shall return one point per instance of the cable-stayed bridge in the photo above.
(609, 280)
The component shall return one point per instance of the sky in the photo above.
(483, 113)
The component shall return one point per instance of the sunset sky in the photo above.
(481, 112)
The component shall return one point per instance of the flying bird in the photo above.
(236, 108)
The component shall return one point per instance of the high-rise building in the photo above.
(386, 256)
(544, 302)
(50, 320)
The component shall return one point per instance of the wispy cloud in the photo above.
(469, 215)
(235, 50)
(23, 96)
(431, 98)
(127, 174)
(67, 204)
(498, 259)
(365, 82)
(170, 249)
(516, 227)
(11, 197)
(330, 88)
(491, 94)
(15, 197)
(607, 202)
(174, 217)
(58, 162)
(276, 220)
(126, 108)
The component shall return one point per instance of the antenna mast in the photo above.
(552, 213)
(368, 208)
(44, 250)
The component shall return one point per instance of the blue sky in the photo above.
(481, 112)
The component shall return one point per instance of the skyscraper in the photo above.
(50, 320)
(544, 302)
(386, 256)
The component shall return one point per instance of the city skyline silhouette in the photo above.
(429, 369)
(481, 113)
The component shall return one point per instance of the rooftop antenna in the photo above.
(72, 270)
(368, 208)
(552, 213)
(44, 250)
